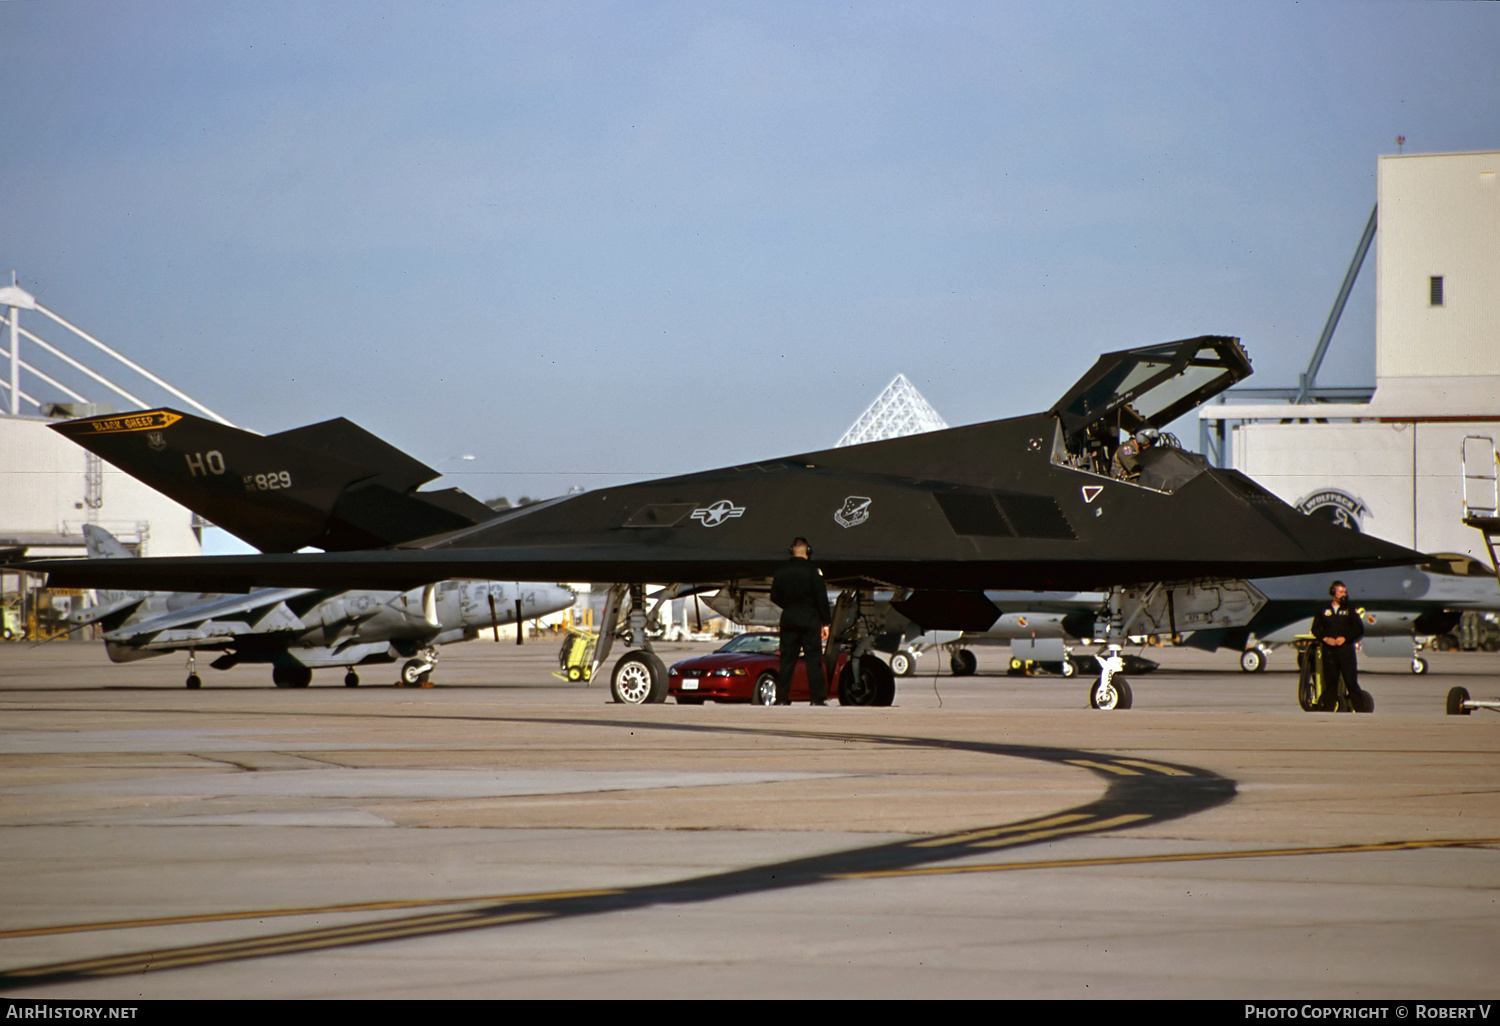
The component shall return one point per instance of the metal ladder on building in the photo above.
(1480, 470)
(1481, 509)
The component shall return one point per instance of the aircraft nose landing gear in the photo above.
(1110, 689)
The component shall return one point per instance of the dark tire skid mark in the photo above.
(1139, 793)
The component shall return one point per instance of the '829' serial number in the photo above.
(271, 482)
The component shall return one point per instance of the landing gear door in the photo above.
(1170, 609)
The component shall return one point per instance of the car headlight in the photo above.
(736, 671)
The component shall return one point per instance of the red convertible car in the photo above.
(744, 670)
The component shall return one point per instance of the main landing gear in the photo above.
(291, 676)
(639, 677)
(962, 662)
(415, 672)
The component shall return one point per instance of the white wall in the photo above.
(42, 488)
(1406, 473)
(1439, 215)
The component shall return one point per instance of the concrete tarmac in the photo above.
(506, 834)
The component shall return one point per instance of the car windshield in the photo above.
(754, 644)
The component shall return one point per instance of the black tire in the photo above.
(194, 682)
(291, 676)
(1307, 695)
(1418, 665)
(863, 689)
(1363, 702)
(1067, 669)
(639, 678)
(575, 673)
(412, 673)
(1456, 699)
(1117, 697)
(764, 691)
(351, 679)
(885, 681)
(1252, 660)
(963, 663)
(903, 665)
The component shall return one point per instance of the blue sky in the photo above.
(589, 242)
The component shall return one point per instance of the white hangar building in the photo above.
(1393, 466)
(50, 487)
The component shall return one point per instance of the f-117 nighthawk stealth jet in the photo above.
(1027, 503)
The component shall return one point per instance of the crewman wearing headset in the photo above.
(1338, 627)
(799, 590)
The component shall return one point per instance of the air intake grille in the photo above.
(1004, 515)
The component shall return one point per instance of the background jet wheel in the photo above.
(291, 676)
(1456, 699)
(194, 681)
(415, 672)
(765, 690)
(639, 678)
(1418, 665)
(1252, 660)
(963, 663)
(351, 679)
(1114, 696)
(1068, 669)
(903, 665)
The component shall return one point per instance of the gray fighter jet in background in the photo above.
(1400, 604)
(298, 630)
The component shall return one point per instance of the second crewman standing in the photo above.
(799, 590)
(1339, 627)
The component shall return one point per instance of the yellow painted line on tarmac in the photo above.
(316, 910)
(278, 944)
(1202, 856)
(1107, 767)
(1171, 771)
(1042, 835)
(975, 835)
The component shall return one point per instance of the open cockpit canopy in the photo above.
(1151, 386)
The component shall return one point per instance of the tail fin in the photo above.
(112, 607)
(103, 545)
(331, 485)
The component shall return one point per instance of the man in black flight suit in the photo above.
(799, 590)
(1338, 627)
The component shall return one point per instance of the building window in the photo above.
(1435, 290)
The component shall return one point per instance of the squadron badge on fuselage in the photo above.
(855, 511)
(155, 441)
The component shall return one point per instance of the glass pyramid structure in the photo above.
(899, 410)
